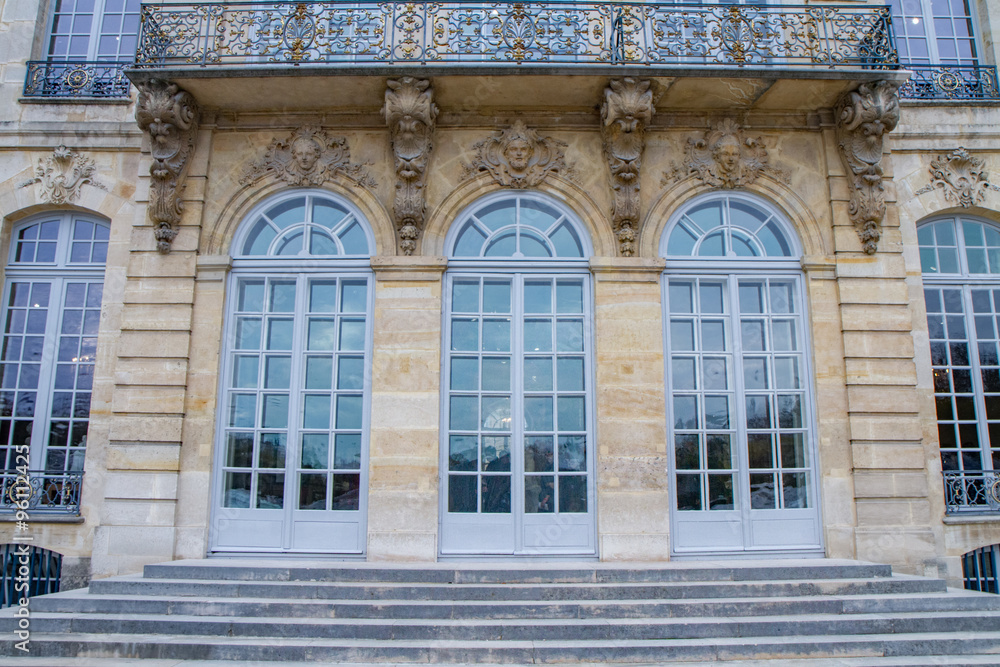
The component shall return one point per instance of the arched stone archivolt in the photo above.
(816, 239)
(593, 219)
(217, 235)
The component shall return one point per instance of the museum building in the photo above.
(584, 281)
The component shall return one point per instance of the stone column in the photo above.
(406, 412)
(633, 492)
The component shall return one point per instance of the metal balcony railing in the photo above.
(26, 571)
(563, 32)
(41, 491)
(971, 492)
(76, 79)
(951, 82)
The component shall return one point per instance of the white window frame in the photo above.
(517, 271)
(966, 281)
(58, 273)
(301, 269)
(926, 18)
(96, 34)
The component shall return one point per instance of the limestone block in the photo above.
(146, 428)
(881, 371)
(632, 437)
(876, 317)
(631, 547)
(626, 402)
(156, 317)
(885, 344)
(885, 427)
(630, 368)
(405, 443)
(402, 475)
(884, 399)
(149, 544)
(140, 485)
(146, 371)
(632, 473)
(839, 542)
(860, 265)
(838, 498)
(148, 399)
(154, 344)
(157, 265)
(126, 456)
(643, 513)
(895, 456)
(893, 512)
(906, 549)
(890, 485)
(137, 513)
(402, 511)
(881, 292)
(191, 541)
(405, 409)
(407, 370)
(402, 546)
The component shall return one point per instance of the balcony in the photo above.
(972, 492)
(76, 79)
(951, 82)
(42, 492)
(327, 50)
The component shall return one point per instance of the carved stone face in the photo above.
(518, 153)
(727, 154)
(305, 153)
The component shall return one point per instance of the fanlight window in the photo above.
(519, 227)
(960, 247)
(728, 227)
(39, 243)
(306, 226)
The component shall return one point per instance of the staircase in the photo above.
(818, 612)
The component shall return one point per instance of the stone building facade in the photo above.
(513, 299)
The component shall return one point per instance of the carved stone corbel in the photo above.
(62, 175)
(864, 116)
(626, 112)
(962, 178)
(410, 114)
(170, 116)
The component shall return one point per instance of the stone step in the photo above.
(539, 592)
(870, 661)
(392, 630)
(507, 573)
(82, 601)
(524, 652)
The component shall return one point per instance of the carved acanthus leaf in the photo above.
(725, 157)
(410, 113)
(62, 175)
(962, 178)
(864, 116)
(625, 114)
(519, 157)
(308, 156)
(170, 116)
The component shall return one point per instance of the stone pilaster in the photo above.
(406, 393)
(633, 493)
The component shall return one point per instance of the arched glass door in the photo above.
(517, 454)
(291, 466)
(739, 386)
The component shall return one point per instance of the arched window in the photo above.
(517, 438)
(738, 380)
(293, 432)
(960, 262)
(51, 312)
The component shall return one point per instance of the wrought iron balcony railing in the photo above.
(951, 82)
(76, 79)
(971, 491)
(41, 491)
(563, 32)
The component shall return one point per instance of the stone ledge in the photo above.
(42, 518)
(961, 520)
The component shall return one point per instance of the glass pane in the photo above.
(239, 450)
(571, 413)
(685, 412)
(277, 372)
(322, 335)
(312, 491)
(350, 372)
(465, 373)
(569, 336)
(570, 374)
(538, 374)
(319, 372)
(463, 413)
(720, 492)
(354, 296)
(462, 493)
(496, 296)
(569, 296)
(251, 296)
(496, 494)
(538, 296)
(496, 335)
(316, 412)
(323, 296)
(349, 412)
(346, 492)
(538, 413)
(496, 453)
(762, 492)
(270, 490)
(682, 335)
(282, 297)
(347, 451)
(688, 492)
(496, 373)
(352, 335)
(463, 452)
(236, 490)
(572, 493)
(572, 453)
(315, 452)
(538, 454)
(720, 454)
(465, 335)
(244, 372)
(272, 451)
(539, 494)
(275, 411)
(465, 297)
(279, 334)
(538, 335)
